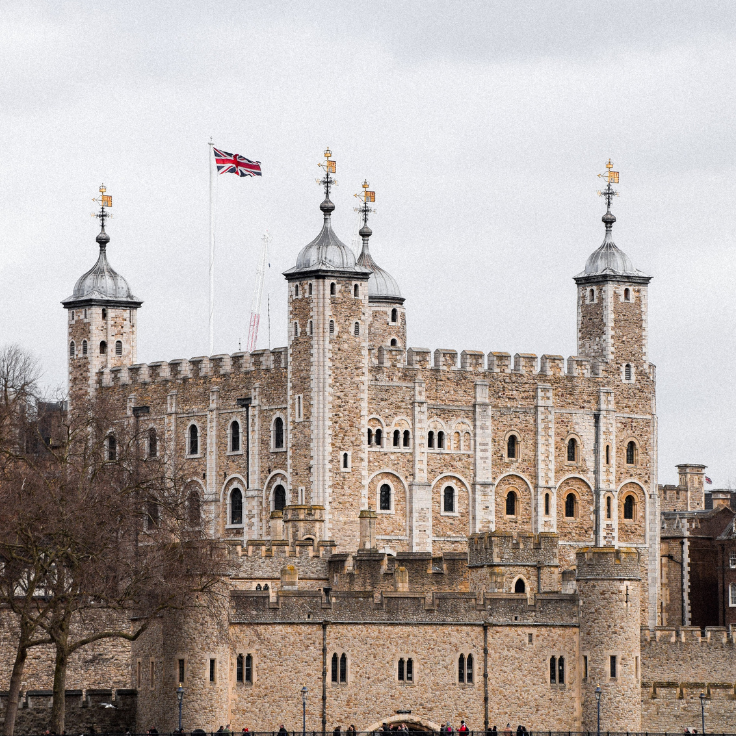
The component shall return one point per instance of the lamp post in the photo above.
(702, 711)
(180, 698)
(304, 710)
(598, 692)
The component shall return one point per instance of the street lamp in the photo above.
(180, 698)
(304, 710)
(598, 692)
(703, 696)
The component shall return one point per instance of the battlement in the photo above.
(606, 563)
(193, 368)
(694, 634)
(266, 548)
(504, 548)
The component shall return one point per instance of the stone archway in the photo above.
(414, 723)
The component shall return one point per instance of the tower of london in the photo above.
(416, 535)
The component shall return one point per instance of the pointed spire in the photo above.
(609, 193)
(365, 232)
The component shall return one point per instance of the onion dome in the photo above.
(382, 285)
(102, 284)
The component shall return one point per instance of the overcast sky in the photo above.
(480, 125)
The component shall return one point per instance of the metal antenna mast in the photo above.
(255, 307)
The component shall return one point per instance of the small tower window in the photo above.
(356, 290)
(112, 448)
(394, 315)
(553, 670)
(546, 504)
(402, 670)
(343, 667)
(572, 450)
(612, 665)
(385, 497)
(469, 671)
(440, 440)
(461, 669)
(311, 326)
(332, 327)
(608, 507)
(628, 372)
(397, 438)
(394, 342)
(104, 313)
(309, 289)
(296, 329)
(118, 347)
(520, 586)
(236, 506)
(249, 668)
(72, 349)
(239, 669)
(430, 440)
(608, 454)
(379, 437)
(296, 290)
(448, 500)
(512, 447)
(631, 453)
(235, 437)
(279, 498)
(570, 505)
(561, 671)
(356, 329)
(278, 433)
(334, 668)
(193, 439)
(370, 436)
(591, 296)
(333, 289)
(152, 443)
(103, 348)
(84, 347)
(85, 314)
(627, 295)
(629, 508)
(345, 461)
(511, 503)
(407, 438)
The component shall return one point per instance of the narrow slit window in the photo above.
(461, 669)
(410, 670)
(469, 672)
(236, 506)
(239, 669)
(608, 454)
(72, 349)
(370, 436)
(407, 438)
(627, 295)
(440, 440)
(249, 668)
(84, 347)
(309, 289)
(112, 448)
(379, 437)
(296, 290)
(181, 671)
(332, 327)
(631, 453)
(397, 438)
(449, 500)
(152, 443)
(356, 290)
(628, 373)
(546, 504)
(278, 433)
(334, 668)
(553, 670)
(193, 439)
(103, 348)
(613, 666)
(511, 503)
(385, 497)
(235, 437)
(572, 450)
(430, 440)
(333, 289)
(608, 507)
(356, 329)
(402, 667)
(343, 668)
(212, 670)
(394, 315)
(561, 671)
(511, 447)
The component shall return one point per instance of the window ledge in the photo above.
(194, 457)
(234, 452)
(449, 513)
(384, 511)
(234, 526)
(278, 449)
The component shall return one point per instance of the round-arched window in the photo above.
(520, 586)
(193, 440)
(512, 447)
(448, 500)
(570, 505)
(118, 347)
(629, 507)
(385, 497)
(511, 503)
(278, 433)
(103, 348)
(279, 498)
(235, 436)
(236, 506)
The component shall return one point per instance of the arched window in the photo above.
(512, 447)
(379, 437)
(629, 507)
(627, 295)
(194, 508)
(345, 461)
(265, 586)
(402, 669)
(104, 313)
(235, 436)
(409, 670)
(335, 665)
(239, 675)
(370, 436)
(511, 503)
(570, 505)
(236, 506)
(397, 438)
(546, 504)
(608, 507)
(430, 440)
(448, 500)
(249, 668)
(332, 327)
(118, 347)
(608, 454)
(356, 329)
(631, 453)
(394, 342)
(628, 373)
(385, 497)
(333, 289)
(466, 441)
(193, 439)
(152, 515)
(591, 295)
(343, 668)
(572, 450)
(561, 671)
(356, 290)
(258, 586)
(553, 669)
(278, 433)
(394, 315)
(72, 349)
(520, 586)
(152, 443)
(407, 438)
(461, 668)
(469, 671)
(103, 348)
(84, 347)
(440, 440)
(279, 498)
(112, 448)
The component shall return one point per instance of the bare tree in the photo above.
(93, 536)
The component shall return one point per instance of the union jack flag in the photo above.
(233, 163)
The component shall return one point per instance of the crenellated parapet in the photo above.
(505, 548)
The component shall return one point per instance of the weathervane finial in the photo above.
(365, 197)
(327, 181)
(611, 177)
(104, 200)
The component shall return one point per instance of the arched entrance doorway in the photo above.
(413, 723)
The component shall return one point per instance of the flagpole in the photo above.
(212, 252)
